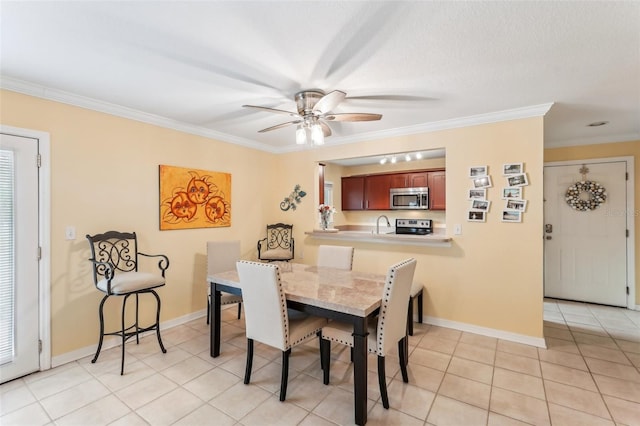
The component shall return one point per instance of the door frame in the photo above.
(44, 237)
(630, 191)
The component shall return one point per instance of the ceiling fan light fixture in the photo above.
(301, 135)
(313, 111)
(317, 135)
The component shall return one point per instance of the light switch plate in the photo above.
(70, 232)
(457, 229)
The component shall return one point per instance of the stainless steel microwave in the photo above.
(409, 198)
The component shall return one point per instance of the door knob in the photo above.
(548, 237)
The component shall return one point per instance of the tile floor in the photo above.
(588, 375)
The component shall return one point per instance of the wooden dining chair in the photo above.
(222, 256)
(266, 317)
(338, 257)
(388, 331)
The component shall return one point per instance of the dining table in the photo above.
(344, 295)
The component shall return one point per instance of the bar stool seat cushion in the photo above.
(128, 282)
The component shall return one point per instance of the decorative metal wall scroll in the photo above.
(293, 199)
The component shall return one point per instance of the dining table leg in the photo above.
(360, 369)
(215, 320)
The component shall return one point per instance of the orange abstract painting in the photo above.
(191, 198)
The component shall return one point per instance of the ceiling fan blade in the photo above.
(390, 98)
(325, 128)
(279, 126)
(353, 116)
(277, 111)
(329, 101)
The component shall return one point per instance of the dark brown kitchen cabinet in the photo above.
(418, 180)
(409, 180)
(398, 180)
(353, 193)
(376, 192)
(366, 192)
(371, 192)
(437, 190)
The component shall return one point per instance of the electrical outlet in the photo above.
(70, 232)
(457, 229)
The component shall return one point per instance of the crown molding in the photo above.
(630, 137)
(454, 123)
(56, 95)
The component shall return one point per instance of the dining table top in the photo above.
(350, 292)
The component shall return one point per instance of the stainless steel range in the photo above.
(414, 226)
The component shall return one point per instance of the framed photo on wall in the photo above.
(476, 216)
(477, 171)
(481, 205)
(518, 180)
(519, 205)
(482, 182)
(511, 216)
(477, 194)
(512, 169)
(512, 192)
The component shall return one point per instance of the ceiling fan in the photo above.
(314, 110)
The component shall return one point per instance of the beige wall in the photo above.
(104, 175)
(492, 275)
(622, 149)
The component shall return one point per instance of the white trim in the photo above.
(596, 140)
(68, 98)
(631, 246)
(44, 237)
(44, 92)
(454, 123)
(114, 341)
(489, 332)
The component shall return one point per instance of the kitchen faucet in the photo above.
(378, 222)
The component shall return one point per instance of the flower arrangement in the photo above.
(325, 214)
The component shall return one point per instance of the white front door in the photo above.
(585, 256)
(19, 292)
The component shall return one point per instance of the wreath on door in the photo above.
(585, 195)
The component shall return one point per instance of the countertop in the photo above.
(367, 234)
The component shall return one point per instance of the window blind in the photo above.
(7, 256)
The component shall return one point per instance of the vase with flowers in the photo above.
(325, 215)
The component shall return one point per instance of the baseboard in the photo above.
(489, 332)
(113, 341)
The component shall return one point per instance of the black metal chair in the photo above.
(114, 256)
(279, 243)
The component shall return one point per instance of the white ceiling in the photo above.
(191, 65)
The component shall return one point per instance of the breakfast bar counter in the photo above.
(438, 238)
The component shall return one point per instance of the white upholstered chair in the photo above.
(266, 317)
(222, 256)
(338, 257)
(390, 329)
